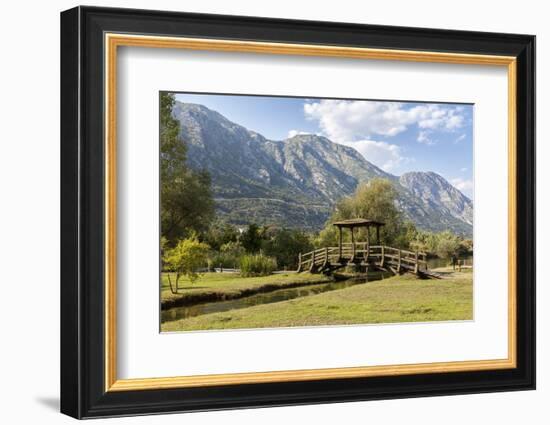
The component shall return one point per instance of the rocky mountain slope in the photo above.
(295, 182)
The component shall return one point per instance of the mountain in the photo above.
(434, 204)
(296, 182)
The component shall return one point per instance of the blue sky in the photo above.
(396, 136)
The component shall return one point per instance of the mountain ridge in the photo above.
(296, 182)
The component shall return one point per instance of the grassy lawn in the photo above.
(397, 299)
(225, 286)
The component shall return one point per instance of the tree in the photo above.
(406, 236)
(187, 204)
(173, 153)
(184, 260)
(285, 245)
(375, 200)
(327, 236)
(221, 234)
(466, 247)
(234, 248)
(251, 239)
(448, 244)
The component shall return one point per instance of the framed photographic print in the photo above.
(261, 212)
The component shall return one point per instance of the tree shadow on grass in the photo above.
(182, 288)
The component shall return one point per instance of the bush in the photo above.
(257, 265)
(228, 256)
(226, 260)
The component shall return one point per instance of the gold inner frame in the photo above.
(113, 41)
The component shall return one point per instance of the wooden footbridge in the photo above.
(371, 257)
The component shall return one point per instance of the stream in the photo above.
(434, 263)
(277, 295)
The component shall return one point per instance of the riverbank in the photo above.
(226, 286)
(396, 299)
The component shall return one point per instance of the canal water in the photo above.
(184, 312)
(434, 263)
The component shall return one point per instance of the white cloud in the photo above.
(464, 169)
(293, 133)
(425, 138)
(382, 154)
(345, 120)
(435, 118)
(459, 139)
(464, 185)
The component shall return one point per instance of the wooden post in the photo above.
(399, 262)
(299, 262)
(377, 235)
(352, 244)
(416, 262)
(340, 244)
(368, 242)
(312, 261)
(326, 257)
(382, 260)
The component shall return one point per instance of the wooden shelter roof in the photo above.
(358, 222)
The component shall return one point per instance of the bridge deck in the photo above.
(326, 260)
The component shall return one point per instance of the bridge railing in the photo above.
(319, 256)
(406, 258)
(361, 251)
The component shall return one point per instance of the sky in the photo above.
(395, 136)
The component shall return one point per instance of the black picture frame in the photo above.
(83, 392)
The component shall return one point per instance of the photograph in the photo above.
(281, 212)
(304, 209)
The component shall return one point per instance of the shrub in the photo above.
(223, 259)
(257, 265)
(228, 256)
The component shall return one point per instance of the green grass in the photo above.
(225, 286)
(397, 299)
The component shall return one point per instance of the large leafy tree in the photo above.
(186, 197)
(375, 200)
